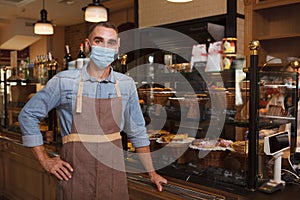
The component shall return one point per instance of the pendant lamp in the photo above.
(95, 12)
(43, 26)
(179, 1)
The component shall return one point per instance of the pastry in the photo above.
(205, 143)
(174, 138)
(225, 143)
(240, 146)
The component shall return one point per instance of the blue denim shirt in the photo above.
(60, 92)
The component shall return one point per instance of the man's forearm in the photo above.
(145, 156)
(40, 153)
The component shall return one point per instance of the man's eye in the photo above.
(98, 41)
(112, 43)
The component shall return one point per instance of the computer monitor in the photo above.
(276, 143)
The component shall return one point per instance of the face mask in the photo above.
(102, 57)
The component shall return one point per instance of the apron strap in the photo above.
(79, 94)
(76, 137)
(79, 97)
(118, 88)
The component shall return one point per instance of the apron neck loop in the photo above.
(80, 91)
(79, 96)
(117, 88)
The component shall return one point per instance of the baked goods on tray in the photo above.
(205, 143)
(178, 138)
(174, 138)
(211, 144)
(240, 146)
(154, 134)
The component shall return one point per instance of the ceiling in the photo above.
(60, 12)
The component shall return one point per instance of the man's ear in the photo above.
(87, 46)
(118, 46)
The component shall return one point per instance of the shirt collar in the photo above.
(86, 76)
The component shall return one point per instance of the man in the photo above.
(93, 103)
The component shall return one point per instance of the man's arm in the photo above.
(61, 169)
(145, 156)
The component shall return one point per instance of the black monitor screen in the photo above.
(279, 142)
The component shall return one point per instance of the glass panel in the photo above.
(207, 111)
(278, 108)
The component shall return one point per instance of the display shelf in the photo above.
(263, 4)
(281, 48)
(279, 36)
(275, 24)
(281, 21)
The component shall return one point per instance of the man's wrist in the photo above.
(151, 173)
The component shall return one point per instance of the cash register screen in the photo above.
(279, 142)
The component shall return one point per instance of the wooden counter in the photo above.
(22, 177)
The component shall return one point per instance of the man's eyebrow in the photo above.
(98, 38)
(101, 38)
(112, 40)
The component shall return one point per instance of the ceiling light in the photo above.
(95, 12)
(43, 26)
(179, 1)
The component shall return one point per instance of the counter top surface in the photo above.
(290, 191)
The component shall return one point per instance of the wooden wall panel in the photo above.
(21, 175)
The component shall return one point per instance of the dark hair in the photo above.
(103, 24)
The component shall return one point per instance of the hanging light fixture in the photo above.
(43, 26)
(179, 1)
(95, 12)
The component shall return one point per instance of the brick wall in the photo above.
(74, 35)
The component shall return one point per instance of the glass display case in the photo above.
(278, 110)
(198, 120)
(192, 119)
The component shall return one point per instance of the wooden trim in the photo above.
(272, 3)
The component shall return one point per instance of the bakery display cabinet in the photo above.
(191, 118)
(203, 126)
(274, 24)
(278, 106)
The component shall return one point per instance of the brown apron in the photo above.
(94, 150)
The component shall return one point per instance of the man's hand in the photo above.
(157, 180)
(59, 168)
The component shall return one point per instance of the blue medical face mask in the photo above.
(102, 57)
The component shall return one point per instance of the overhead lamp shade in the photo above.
(179, 1)
(96, 14)
(43, 28)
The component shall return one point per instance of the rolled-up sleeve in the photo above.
(35, 110)
(134, 124)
